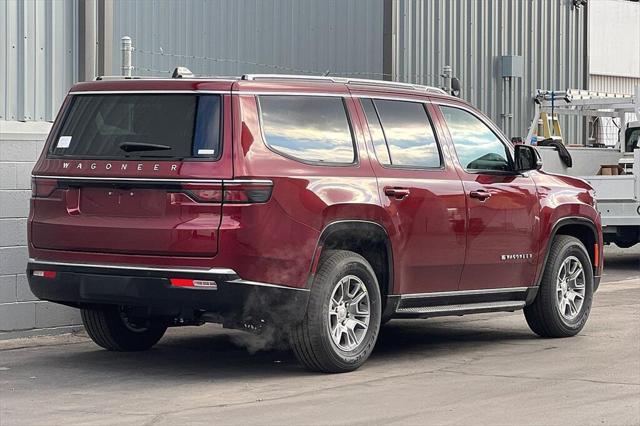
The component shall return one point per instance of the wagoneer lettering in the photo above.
(153, 167)
(318, 208)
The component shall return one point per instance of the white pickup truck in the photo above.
(619, 205)
(618, 196)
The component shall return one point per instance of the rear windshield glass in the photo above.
(134, 126)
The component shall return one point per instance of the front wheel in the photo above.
(341, 325)
(110, 328)
(563, 303)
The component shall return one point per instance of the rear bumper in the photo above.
(231, 299)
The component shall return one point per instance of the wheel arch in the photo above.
(582, 228)
(368, 239)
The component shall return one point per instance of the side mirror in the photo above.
(527, 158)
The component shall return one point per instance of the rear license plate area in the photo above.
(123, 202)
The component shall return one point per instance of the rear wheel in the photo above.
(341, 325)
(563, 303)
(110, 328)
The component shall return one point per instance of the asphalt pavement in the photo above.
(478, 369)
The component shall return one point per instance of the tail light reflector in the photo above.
(187, 282)
(45, 274)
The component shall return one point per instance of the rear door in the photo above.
(421, 193)
(134, 173)
(502, 207)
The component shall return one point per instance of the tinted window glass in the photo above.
(477, 147)
(377, 135)
(408, 133)
(140, 126)
(309, 128)
(633, 140)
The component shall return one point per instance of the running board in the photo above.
(461, 309)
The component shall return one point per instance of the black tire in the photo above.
(543, 315)
(108, 328)
(311, 340)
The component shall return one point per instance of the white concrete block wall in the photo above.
(20, 312)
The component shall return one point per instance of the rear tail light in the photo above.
(232, 192)
(42, 188)
(203, 193)
(247, 192)
(187, 282)
(45, 274)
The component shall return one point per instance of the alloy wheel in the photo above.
(570, 288)
(349, 313)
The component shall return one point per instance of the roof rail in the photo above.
(345, 80)
(121, 77)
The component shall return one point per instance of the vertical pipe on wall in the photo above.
(126, 48)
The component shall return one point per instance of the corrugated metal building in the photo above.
(38, 57)
(46, 45)
(472, 36)
(614, 50)
(221, 37)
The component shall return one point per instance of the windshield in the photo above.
(135, 126)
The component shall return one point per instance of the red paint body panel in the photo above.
(427, 228)
(441, 239)
(562, 197)
(506, 223)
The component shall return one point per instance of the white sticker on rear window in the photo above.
(64, 142)
(206, 151)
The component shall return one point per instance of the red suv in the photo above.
(320, 206)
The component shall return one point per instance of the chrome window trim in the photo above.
(290, 93)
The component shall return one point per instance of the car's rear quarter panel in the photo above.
(275, 242)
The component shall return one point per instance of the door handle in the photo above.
(480, 194)
(397, 193)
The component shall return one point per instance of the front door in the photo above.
(421, 193)
(502, 207)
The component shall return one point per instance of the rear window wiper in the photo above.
(142, 146)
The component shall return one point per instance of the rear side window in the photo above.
(136, 126)
(407, 131)
(307, 128)
(477, 147)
